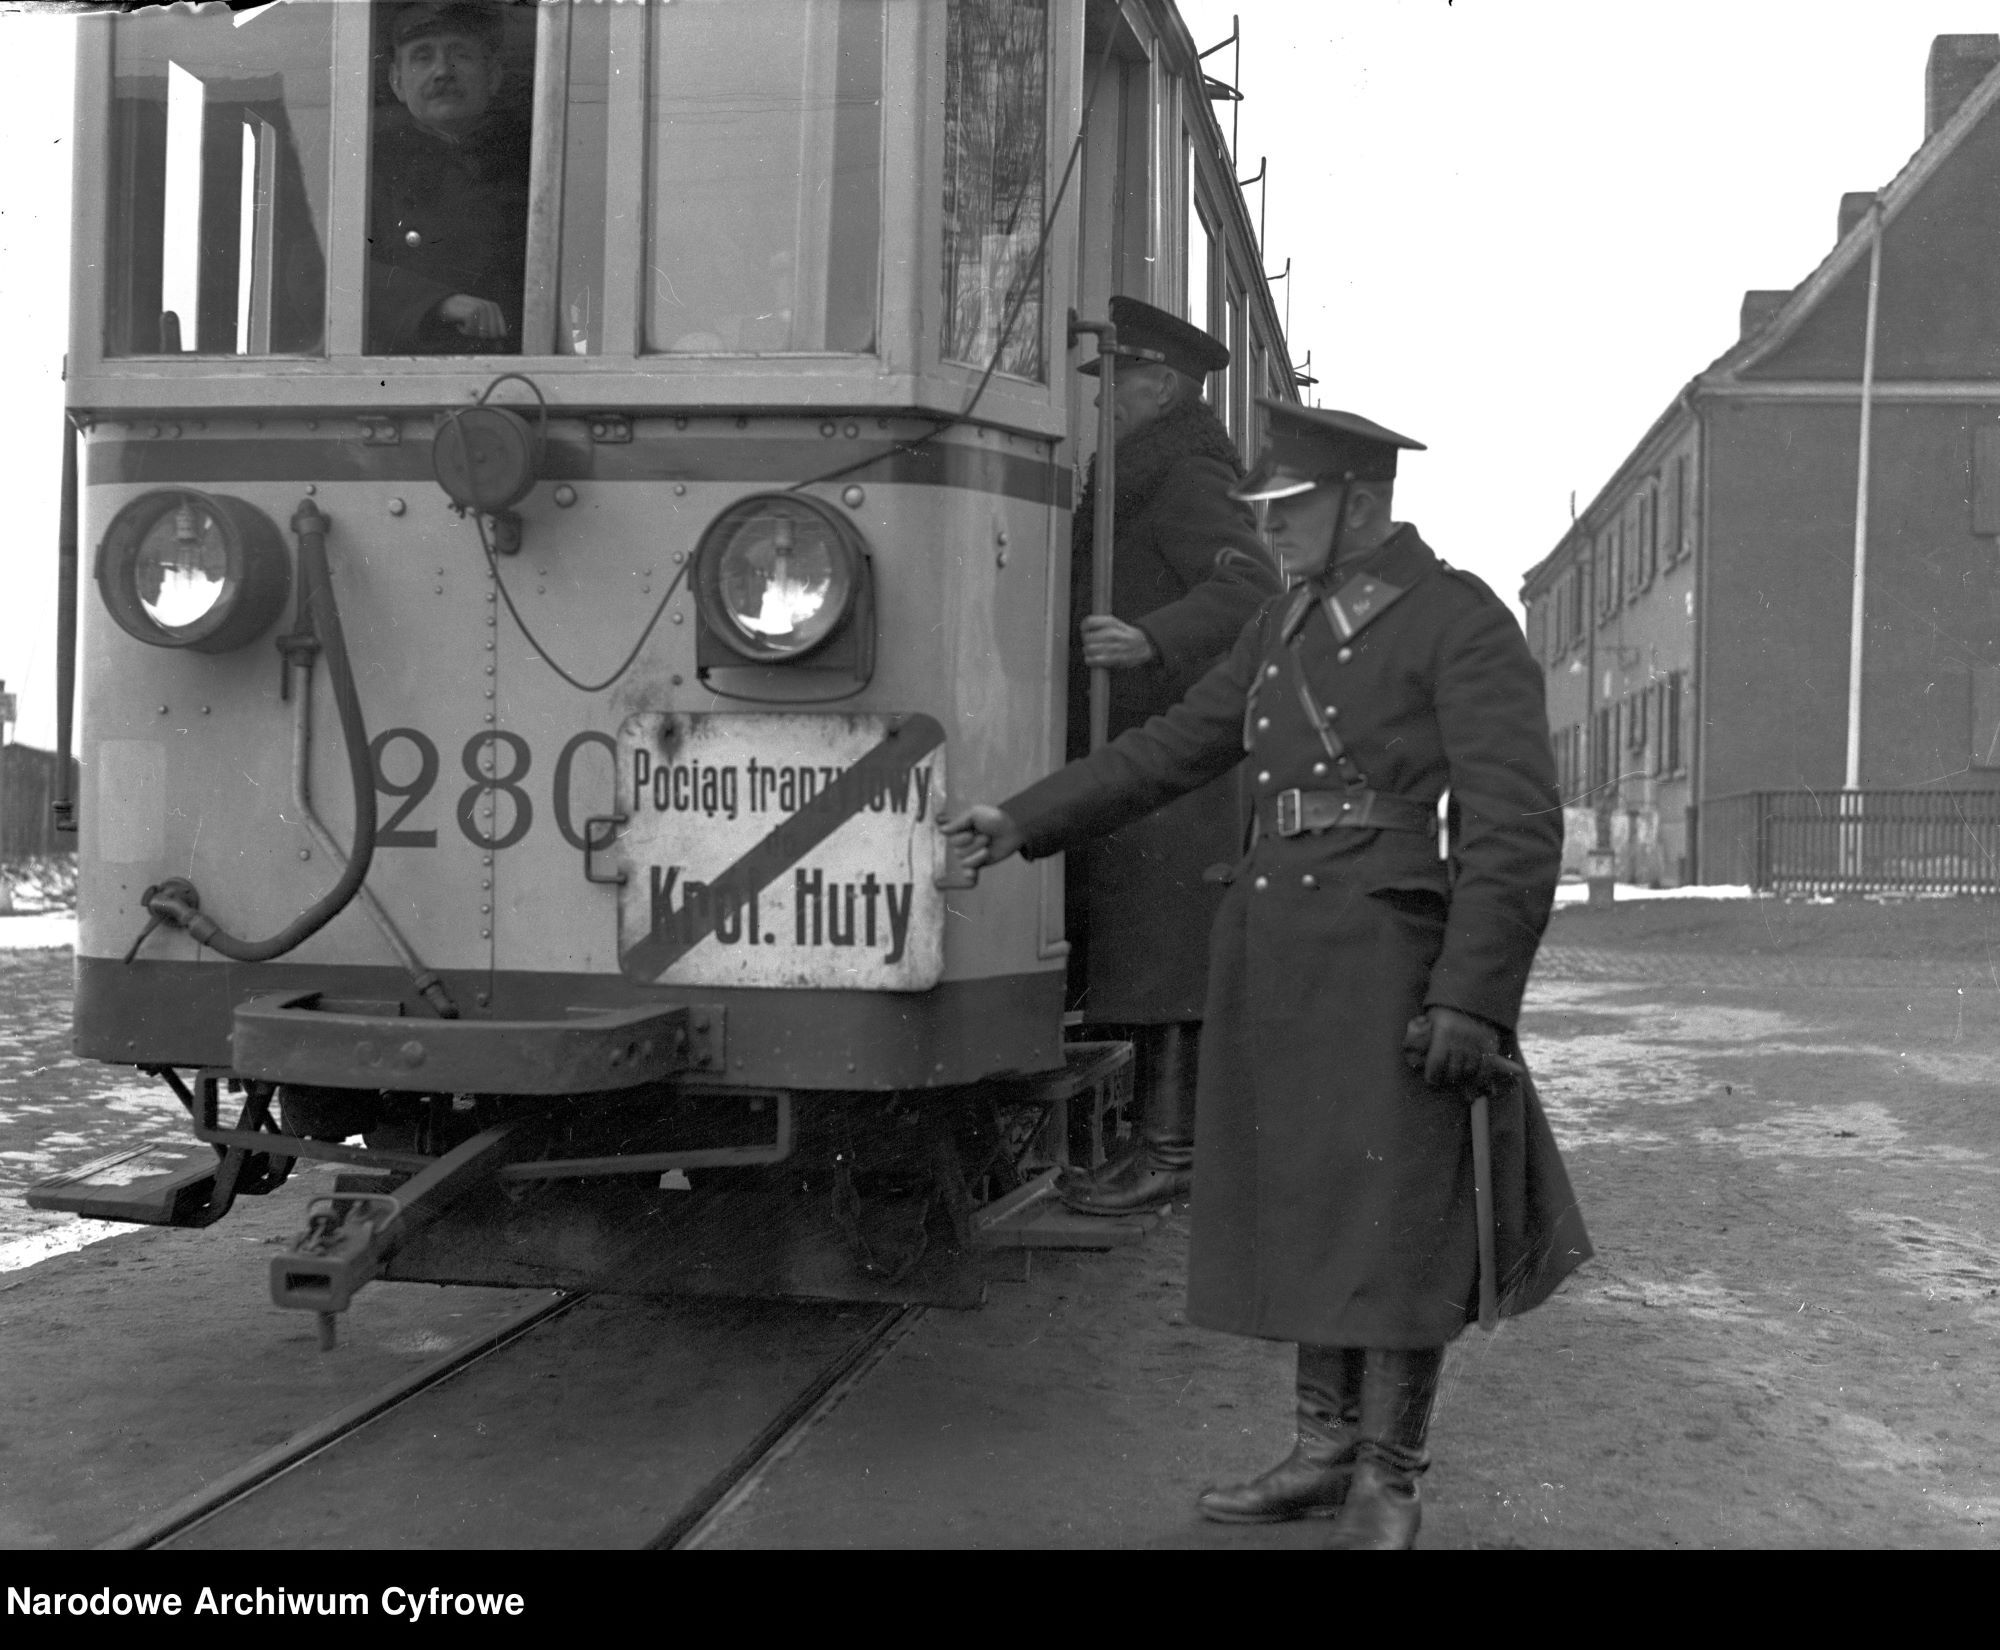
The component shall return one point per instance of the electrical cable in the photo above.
(542, 653)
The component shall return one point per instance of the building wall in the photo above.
(1781, 525)
(1621, 686)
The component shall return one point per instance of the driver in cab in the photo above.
(448, 210)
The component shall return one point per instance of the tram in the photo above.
(511, 760)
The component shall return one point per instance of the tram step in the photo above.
(1033, 1217)
(158, 1183)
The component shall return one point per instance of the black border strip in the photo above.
(741, 458)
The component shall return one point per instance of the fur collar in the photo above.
(1148, 457)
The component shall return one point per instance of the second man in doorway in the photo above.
(1188, 572)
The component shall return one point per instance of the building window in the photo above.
(1986, 716)
(1538, 629)
(1670, 722)
(1986, 478)
(1681, 540)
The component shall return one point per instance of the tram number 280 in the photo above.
(497, 763)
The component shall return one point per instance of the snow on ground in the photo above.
(1575, 893)
(44, 931)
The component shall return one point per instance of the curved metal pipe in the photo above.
(433, 989)
(318, 625)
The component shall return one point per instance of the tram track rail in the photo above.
(697, 1515)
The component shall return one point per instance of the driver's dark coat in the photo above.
(446, 218)
(1334, 1192)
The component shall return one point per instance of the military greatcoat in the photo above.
(1188, 569)
(1334, 1200)
(444, 218)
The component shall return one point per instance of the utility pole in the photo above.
(6, 722)
(1600, 865)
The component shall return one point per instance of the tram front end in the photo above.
(512, 776)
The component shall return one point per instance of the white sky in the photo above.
(1516, 228)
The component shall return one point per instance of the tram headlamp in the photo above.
(198, 570)
(776, 577)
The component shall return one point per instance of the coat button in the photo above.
(1331, 711)
(1264, 778)
(1319, 770)
(1344, 655)
(1261, 884)
(1270, 670)
(1309, 880)
(413, 239)
(1263, 722)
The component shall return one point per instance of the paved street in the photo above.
(1788, 1163)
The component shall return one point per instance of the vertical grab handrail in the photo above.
(64, 805)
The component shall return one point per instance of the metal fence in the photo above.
(27, 787)
(1853, 841)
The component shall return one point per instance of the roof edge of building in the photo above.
(1660, 434)
(1850, 248)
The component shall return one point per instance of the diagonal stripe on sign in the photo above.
(877, 773)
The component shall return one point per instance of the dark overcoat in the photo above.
(446, 218)
(1334, 1197)
(1189, 569)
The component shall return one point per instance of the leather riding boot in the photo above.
(1312, 1481)
(1384, 1507)
(1160, 1165)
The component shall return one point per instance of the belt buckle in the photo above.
(1291, 812)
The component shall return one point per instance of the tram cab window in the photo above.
(220, 172)
(448, 190)
(995, 166)
(766, 160)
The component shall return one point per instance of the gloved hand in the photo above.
(1451, 1047)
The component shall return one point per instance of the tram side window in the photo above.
(219, 179)
(448, 192)
(995, 171)
(766, 161)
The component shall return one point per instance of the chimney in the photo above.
(1853, 208)
(1958, 63)
(1758, 307)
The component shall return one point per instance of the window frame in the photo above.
(905, 370)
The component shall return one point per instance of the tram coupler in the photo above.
(350, 1236)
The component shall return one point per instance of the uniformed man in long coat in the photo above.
(448, 208)
(1188, 570)
(1360, 984)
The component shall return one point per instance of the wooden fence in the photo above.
(27, 788)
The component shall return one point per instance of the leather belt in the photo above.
(1295, 812)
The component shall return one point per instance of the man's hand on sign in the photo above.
(981, 835)
(475, 317)
(1115, 644)
(1452, 1047)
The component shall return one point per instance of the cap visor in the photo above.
(1256, 488)
(1090, 368)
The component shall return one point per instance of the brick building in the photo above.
(1694, 624)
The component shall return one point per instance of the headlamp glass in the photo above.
(776, 576)
(182, 568)
(199, 570)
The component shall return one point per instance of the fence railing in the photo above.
(1853, 841)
